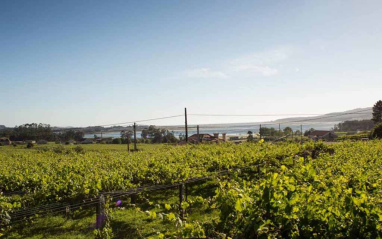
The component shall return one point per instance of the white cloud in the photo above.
(205, 73)
(265, 58)
(263, 70)
(263, 63)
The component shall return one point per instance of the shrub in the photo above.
(59, 149)
(117, 141)
(30, 145)
(377, 131)
(79, 149)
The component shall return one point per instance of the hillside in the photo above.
(355, 114)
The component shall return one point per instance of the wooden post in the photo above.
(292, 134)
(181, 199)
(185, 191)
(279, 131)
(260, 131)
(197, 131)
(135, 137)
(67, 211)
(301, 135)
(100, 212)
(186, 126)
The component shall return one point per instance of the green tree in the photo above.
(265, 131)
(377, 112)
(377, 131)
(126, 138)
(307, 132)
(32, 131)
(250, 136)
(287, 130)
(158, 135)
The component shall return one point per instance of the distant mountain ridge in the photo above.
(355, 114)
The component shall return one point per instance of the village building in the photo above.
(207, 138)
(322, 135)
(107, 140)
(42, 141)
(5, 141)
(30, 141)
(88, 141)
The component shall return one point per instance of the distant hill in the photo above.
(355, 114)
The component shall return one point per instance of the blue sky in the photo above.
(78, 63)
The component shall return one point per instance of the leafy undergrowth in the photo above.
(154, 215)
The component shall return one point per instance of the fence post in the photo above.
(181, 199)
(100, 212)
(260, 132)
(185, 124)
(67, 211)
(135, 137)
(301, 135)
(197, 131)
(185, 191)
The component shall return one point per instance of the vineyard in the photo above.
(270, 190)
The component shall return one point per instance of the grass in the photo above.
(128, 221)
(88, 147)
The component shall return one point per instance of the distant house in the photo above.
(203, 137)
(42, 141)
(70, 141)
(322, 135)
(88, 141)
(30, 141)
(107, 140)
(206, 138)
(5, 141)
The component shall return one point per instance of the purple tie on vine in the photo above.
(118, 203)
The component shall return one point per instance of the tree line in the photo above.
(40, 131)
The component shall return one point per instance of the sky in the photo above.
(81, 63)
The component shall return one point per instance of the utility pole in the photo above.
(197, 131)
(135, 137)
(127, 135)
(186, 126)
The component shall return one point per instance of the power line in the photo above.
(124, 123)
(255, 115)
(137, 121)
